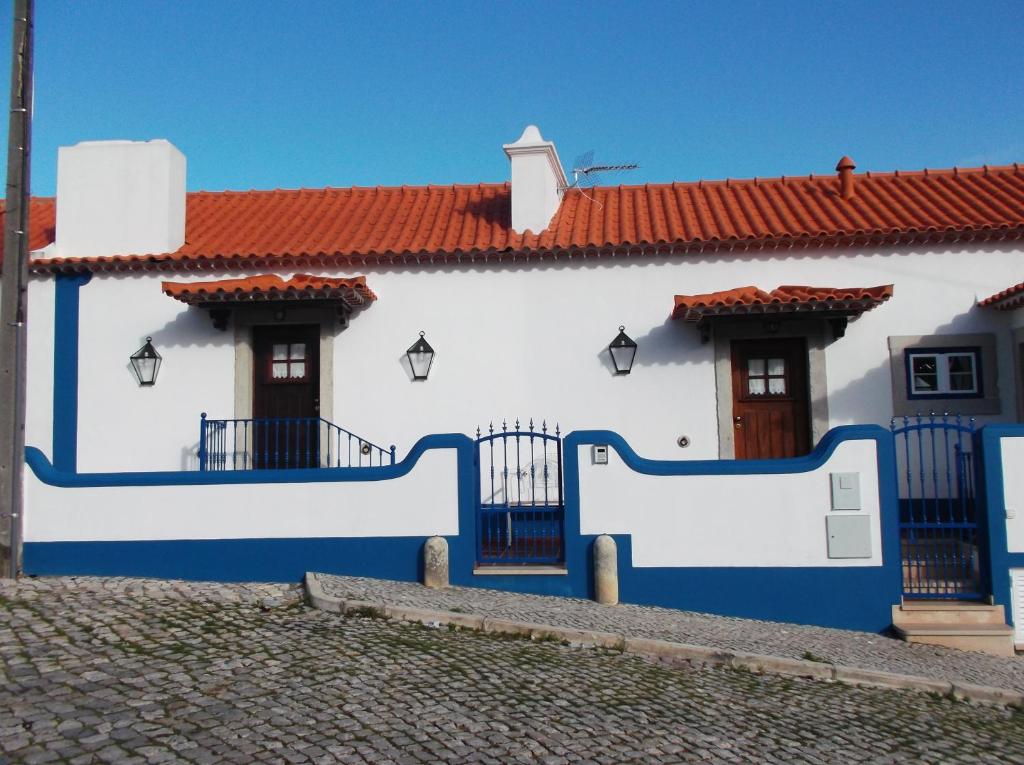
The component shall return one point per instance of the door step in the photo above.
(520, 571)
(965, 626)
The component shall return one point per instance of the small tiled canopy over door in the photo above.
(770, 406)
(286, 388)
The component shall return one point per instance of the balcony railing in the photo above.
(284, 442)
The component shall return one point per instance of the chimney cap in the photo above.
(845, 164)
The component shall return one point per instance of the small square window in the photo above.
(943, 373)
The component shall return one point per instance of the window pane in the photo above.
(280, 351)
(924, 383)
(280, 370)
(926, 365)
(299, 369)
(776, 367)
(961, 382)
(925, 376)
(777, 385)
(961, 372)
(298, 350)
(755, 386)
(755, 367)
(961, 363)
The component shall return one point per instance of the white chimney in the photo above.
(538, 181)
(119, 198)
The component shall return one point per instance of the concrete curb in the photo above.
(664, 650)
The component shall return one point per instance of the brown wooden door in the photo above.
(286, 396)
(769, 398)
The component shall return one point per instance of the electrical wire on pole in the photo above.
(13, 293)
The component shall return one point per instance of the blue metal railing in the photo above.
(276, 443)
(520, 512)
(938, 520)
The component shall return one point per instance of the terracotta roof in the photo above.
(1008, 299)
(330, 226)
(42, 215)
(353, 291)
(786, 299)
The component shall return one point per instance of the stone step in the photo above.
(947, 613)
(993, 639)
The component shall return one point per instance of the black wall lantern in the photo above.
(421, 356)
(623, 351)
(146, 363)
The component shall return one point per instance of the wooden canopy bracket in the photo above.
(220, 318)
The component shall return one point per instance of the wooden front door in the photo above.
(769, 398)
(286, 396)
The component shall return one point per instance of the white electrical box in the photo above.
(599, 454)
(849, 536)
(845, 491)
(1017, 604)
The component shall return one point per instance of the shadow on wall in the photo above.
(671, 343)
(847, 404)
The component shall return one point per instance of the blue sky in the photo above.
(274, 94)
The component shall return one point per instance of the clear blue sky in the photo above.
(275, 94)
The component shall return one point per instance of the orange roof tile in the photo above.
(785, 299)
(42, 216)
(353, 291)
(334, 225)
(1008, 299)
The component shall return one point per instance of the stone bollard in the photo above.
(435, 562)
(606, 571)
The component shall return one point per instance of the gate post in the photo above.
(435, 563)
(606, 571)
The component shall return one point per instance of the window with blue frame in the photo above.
(943, 373)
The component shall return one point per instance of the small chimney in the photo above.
(845, 169)
(119, 198)
(538, 181)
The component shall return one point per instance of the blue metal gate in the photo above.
(939, 536)
(520, 514)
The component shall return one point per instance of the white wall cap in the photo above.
(531, 135)
(119, 197)
(122, 142)
(531, 142)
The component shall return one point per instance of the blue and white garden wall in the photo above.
(738, 538)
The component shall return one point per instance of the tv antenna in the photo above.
(586, 175)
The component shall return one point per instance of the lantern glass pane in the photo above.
(145, 368)
(420, 363)
(622, 357)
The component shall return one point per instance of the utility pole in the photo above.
(13, 294)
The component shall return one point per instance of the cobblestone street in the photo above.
(137, 671)
(847, 647)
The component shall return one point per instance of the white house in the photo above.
(767, 314)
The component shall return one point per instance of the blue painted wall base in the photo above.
(229, 560)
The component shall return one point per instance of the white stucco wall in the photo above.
(722, 520)
(250, 511)
(1013, 491)
(512, 341)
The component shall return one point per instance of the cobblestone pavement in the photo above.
(846, 647)
(114, 671)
